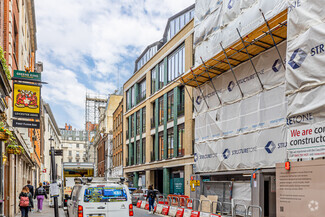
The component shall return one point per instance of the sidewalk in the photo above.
(46, 212)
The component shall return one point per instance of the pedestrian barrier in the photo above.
(159, 208)
(187, 213)
(195, 213)
(165, 210)
(147, 206)
(260, 211)
(224, 210)
(236, 212)
(180, 212)
(215, 215)
(139, 203)
(172, 211)
(219, 206)
(143, 204)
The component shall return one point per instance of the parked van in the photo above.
(100, 199)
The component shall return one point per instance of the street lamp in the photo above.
(54, 176)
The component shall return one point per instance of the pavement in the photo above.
(46, 212)
(141, 212)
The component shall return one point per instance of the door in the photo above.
(269, 197)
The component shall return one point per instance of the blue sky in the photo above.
(84, 44)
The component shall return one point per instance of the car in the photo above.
(100, 199)
(141, 194)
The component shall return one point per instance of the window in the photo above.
(70, 153)
(153, 80)
(70, 160)
(152, 156)
(161, 110)
(144, 150)
(176, 63)
(170, 105)
(180, 109)
(77, 160)
(138, 152)
(77, 153)
(132, 96)
(161, 74)
(131, 127)
(161, 146)
(77, 145)
(142, 90)
(105, 194)
(144, 120)
(170, 141)
(181, 141)
(138, 122)
(127, 99)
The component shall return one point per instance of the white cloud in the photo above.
(90, 38)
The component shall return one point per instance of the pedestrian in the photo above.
(151, 196)
(31, 191)
(40, 193)
(25, 201)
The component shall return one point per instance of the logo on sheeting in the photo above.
(270, 146)
(231, 86)
(297, 58)
(198, 100)
(231, 4)
(226, 153)
(276, 65)
(196, 157)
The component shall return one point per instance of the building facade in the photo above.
(18, 40)
(157, 112)
(117, 150)
(73, 144)
(50, 130)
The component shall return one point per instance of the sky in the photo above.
(90, 46)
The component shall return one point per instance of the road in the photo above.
(141, 212)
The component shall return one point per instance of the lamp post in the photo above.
(54, 177)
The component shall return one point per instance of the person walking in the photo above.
(40, 193)
(31, 191)
(25, 201)
(151, 196)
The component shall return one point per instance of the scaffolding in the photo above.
(92, 104)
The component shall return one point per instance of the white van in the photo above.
(100, 199)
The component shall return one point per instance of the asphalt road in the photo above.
(141, 212)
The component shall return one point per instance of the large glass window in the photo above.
(132, 125)
(138, 152)
(132, 96)
(138, 122)
(127, 99)
(153, 80)
(142, 90)
(180, 108)
(152, 154)
(161, 110)
(181, 140)
(161, 146)
(170, 141)
(144, 120)
(144, 150)
(161, 72)
(176, 63)
(170, 105)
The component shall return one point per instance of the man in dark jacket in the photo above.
(151, 196)
(31, 188)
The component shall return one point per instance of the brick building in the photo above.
(117, 152)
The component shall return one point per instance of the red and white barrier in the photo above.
(180, 212)
(143, 204)
(195, 213)
(215, 215)
(165, 210)
(139, 203)
(187, 213)
(159, 208)
(172, 211)
(147, 206)
(205, 214)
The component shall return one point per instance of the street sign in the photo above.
(26, 102)
(25, 124)
(58, 152)
(27, 75)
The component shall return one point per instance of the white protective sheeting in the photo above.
(243, 133)
(228, 15)
(263, 148)
(270, 71)
(305, 79)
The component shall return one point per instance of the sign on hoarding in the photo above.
(300, 190)
(26, 102)
(27, 75)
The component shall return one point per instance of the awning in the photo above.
(268, 35)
